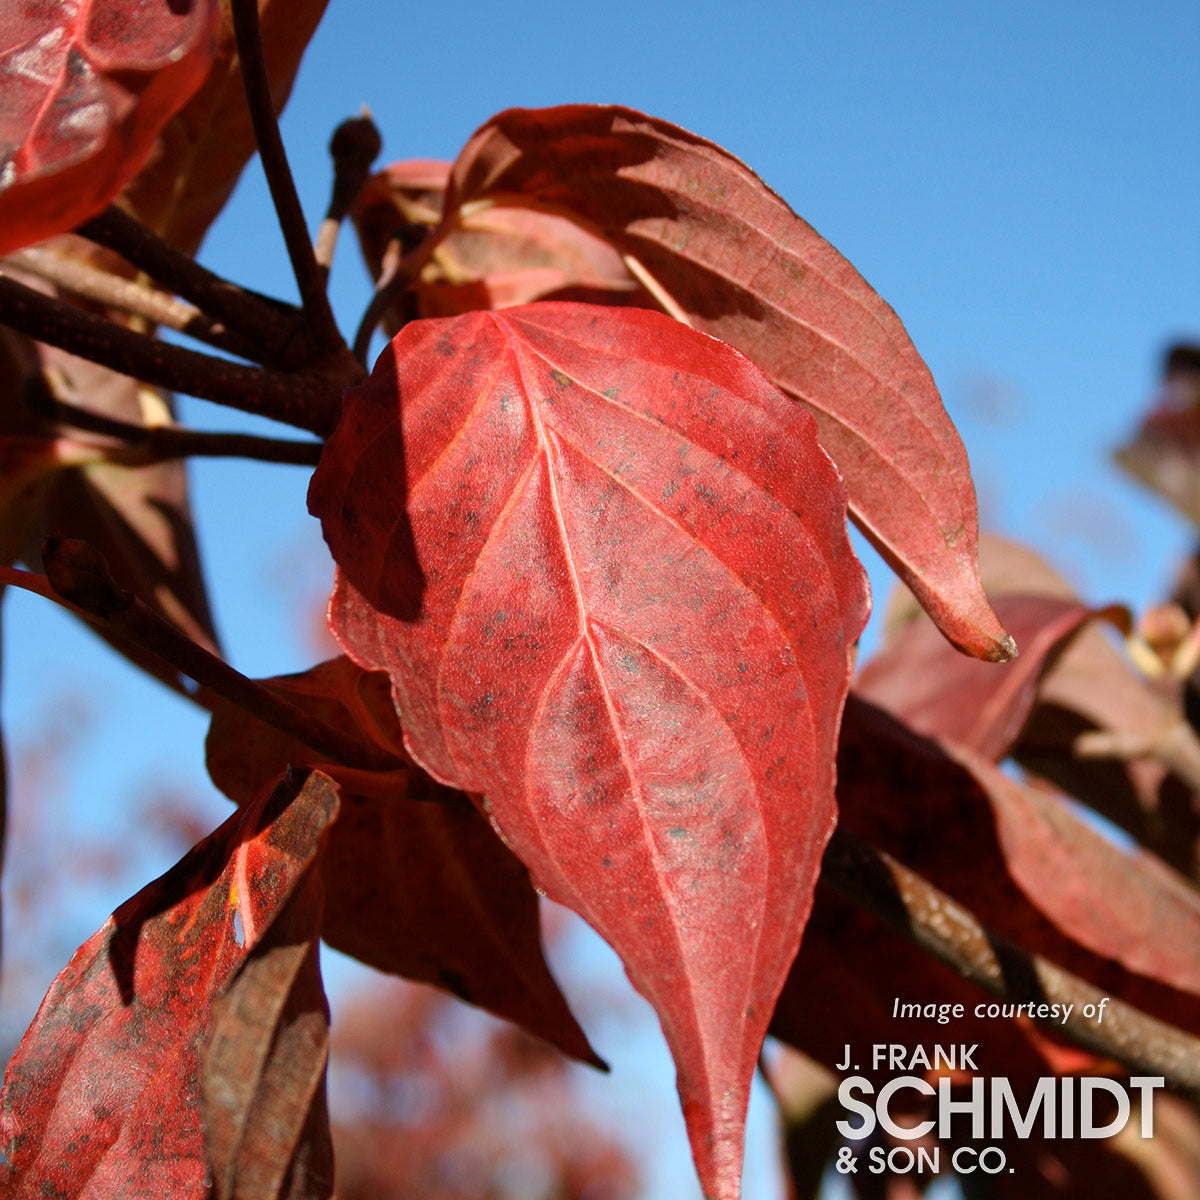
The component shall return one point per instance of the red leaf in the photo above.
(722, 252)
(1099, 729)
(404, 193)
(419, 884)
(1023, 863)
(1123, 904)
(102, 1097)
(265, 1116)
(88, 84)
(921, 680)
(503, 257)
(634, 636)
(497, 258)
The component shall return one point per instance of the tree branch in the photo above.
(158, 443)
(114, 291)
(308, 400)
(272, 324)
(78, 576)
(941, 926)
(310, 278)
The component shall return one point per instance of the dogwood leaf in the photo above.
(722, 252)
(87, 86)
(604, 561)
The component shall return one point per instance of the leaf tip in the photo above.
(1005, 649)
(594, 1060)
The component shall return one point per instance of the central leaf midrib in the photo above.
(546, 449)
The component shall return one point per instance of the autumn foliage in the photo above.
(599, 613)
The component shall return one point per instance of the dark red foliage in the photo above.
(620, 604)
(1036, 873)
(418, 883)
(87, 88)
(922, 680)
(104, 1094)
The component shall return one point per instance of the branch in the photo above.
(308, 400)
(941, 926)
(158, 443)
(77, 575)
(310, 278)
(272, 324)
(167, 442)
(90, 283)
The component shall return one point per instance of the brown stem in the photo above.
(271, 324)
(308, 400)
(77, 574)
(140, 445)
(354, 147)
(167, 442)
(941, 926)
(310, 279)
(89, 283)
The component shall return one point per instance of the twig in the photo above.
(941, 926)
(308, 400)
(165, 673)
(77, 574)
(166, 442)
(114, 291)
(158, 443)
(310, 279)
(354, 147)
(272, 324)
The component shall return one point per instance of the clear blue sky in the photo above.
(1019, 181)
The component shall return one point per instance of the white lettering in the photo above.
(948, 1106)
(846, 1100)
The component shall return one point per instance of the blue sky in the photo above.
(1019, 181)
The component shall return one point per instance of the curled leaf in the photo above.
(265, 1117)
(1097, 728)
(604, 562)
(721, 251)
(920, 679)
